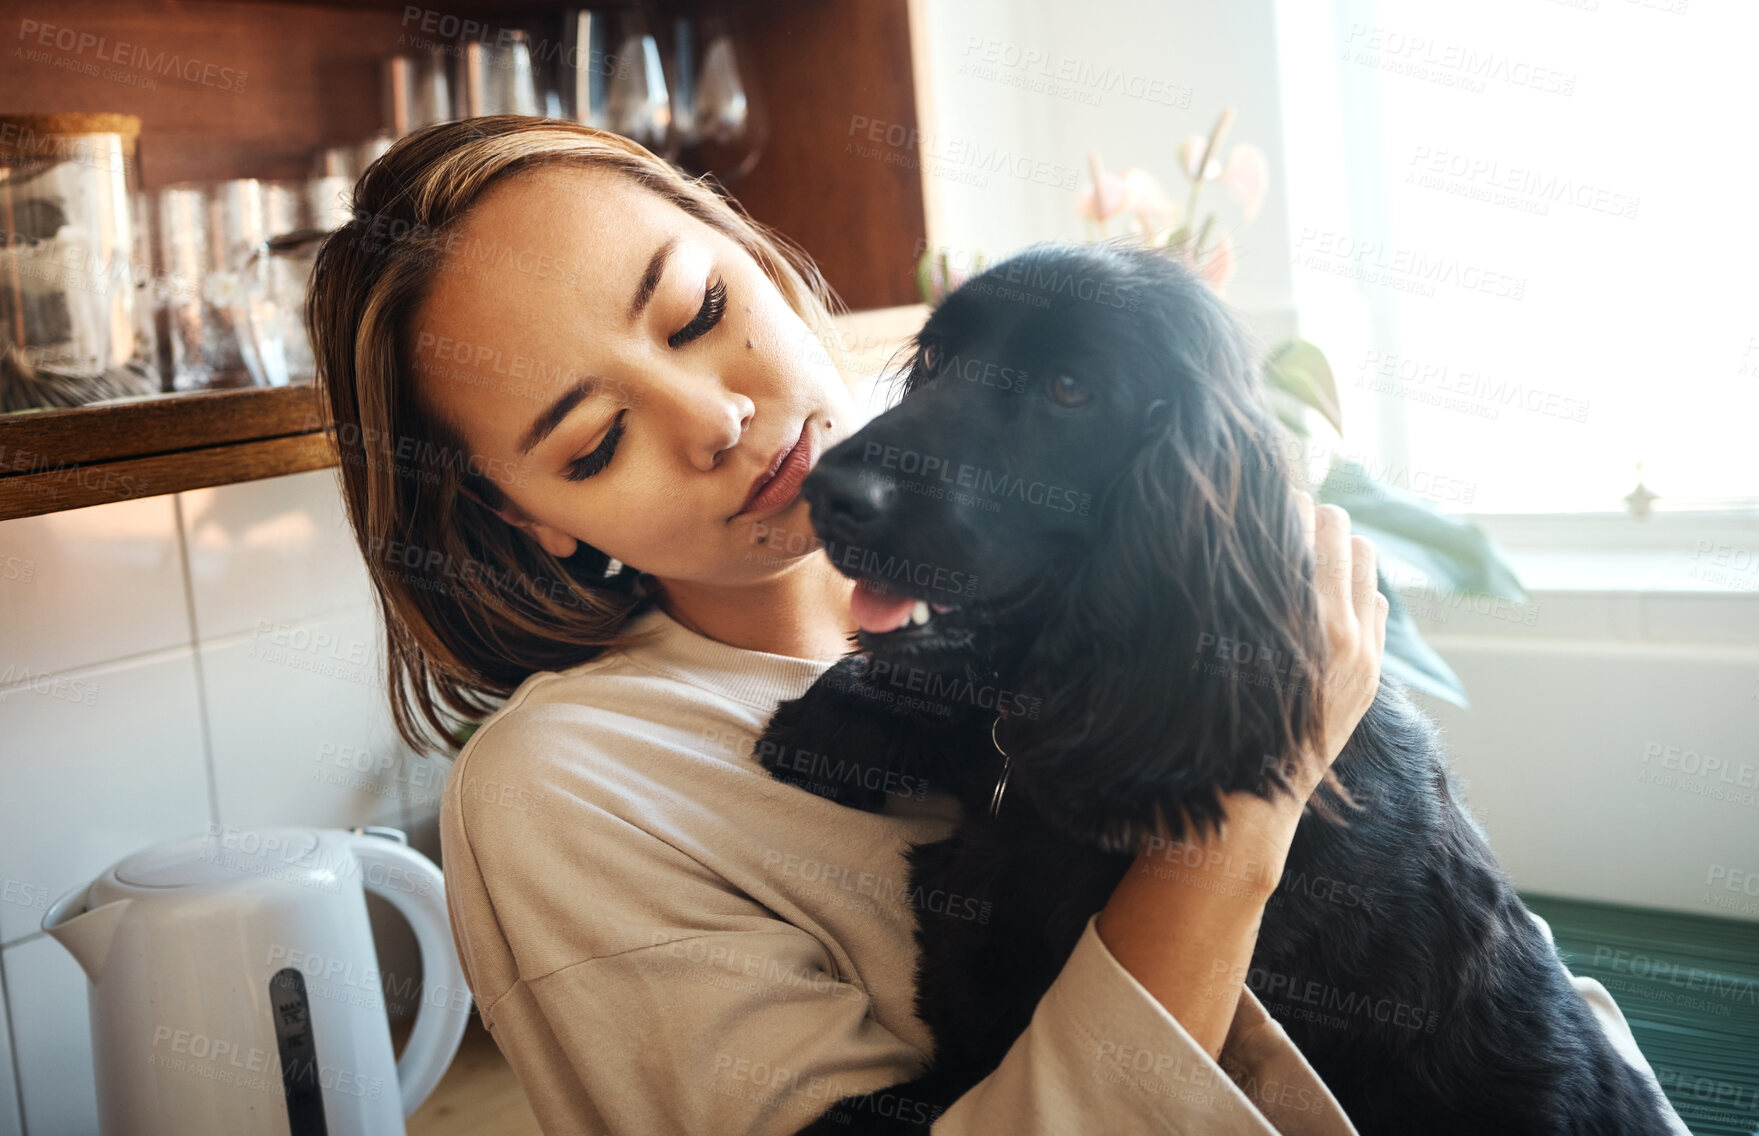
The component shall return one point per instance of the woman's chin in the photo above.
(784, 535)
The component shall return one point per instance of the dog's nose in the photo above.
(848, 502)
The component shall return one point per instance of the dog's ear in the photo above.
(1184, 659)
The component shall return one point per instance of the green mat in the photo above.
(1689, 986)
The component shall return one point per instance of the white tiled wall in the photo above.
(88, 782)
(46, 991)
(167, 663)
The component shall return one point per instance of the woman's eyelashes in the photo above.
(714, 305)
(582, 468)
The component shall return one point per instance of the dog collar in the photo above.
(995, 801)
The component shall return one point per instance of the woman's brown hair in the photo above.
(471, 605)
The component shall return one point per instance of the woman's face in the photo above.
(625, 374)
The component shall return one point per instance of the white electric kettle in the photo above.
(234, 987)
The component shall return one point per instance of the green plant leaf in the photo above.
(1412, 661)
(1300, 368)
(1453, 553)
(925, 278)
(1291, 412)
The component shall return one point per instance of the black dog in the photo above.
(1084, 488)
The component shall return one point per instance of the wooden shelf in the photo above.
(41, 439)
(67, 459)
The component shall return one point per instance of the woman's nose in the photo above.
(709, 418)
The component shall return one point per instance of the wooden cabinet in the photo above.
(245, 88)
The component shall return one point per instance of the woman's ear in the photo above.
(1182, 660)
(553, 541)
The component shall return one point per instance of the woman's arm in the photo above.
(1187, 933)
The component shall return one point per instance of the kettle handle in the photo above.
(412, 884)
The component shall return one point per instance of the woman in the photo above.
(559, 372)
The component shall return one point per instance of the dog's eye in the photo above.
(1068, 391)
(931, 357)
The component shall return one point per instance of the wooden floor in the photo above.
(478, 1096)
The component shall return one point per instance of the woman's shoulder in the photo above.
(672, 708)
(605, 682)
(555, 712)
(543, 698)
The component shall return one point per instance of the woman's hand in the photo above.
(1353, 613)
(1184, 919)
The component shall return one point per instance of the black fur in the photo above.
(1138, 608)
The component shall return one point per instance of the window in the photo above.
(1524, 234)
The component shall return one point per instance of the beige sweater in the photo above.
(664, 940)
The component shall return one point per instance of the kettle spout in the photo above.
(87, 935)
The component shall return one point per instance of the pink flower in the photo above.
(1104, 204)
(1103, 199)
(1218, 267)
(1148, 202)
(1191, 152)
(1135, 191)
(1247, 178)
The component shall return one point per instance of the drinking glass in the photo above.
(70, 333)
(586, 64)
(272, 317)
(496, 78)
(417, 92)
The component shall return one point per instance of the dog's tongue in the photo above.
(877, 611)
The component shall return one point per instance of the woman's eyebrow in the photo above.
(545, 423)
(650, 280)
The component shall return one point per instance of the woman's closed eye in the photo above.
(582, 468)
(714, 305)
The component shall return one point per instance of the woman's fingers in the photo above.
(1346, 576)
(1370, 610)
(1304, 508)
(1331, 559)
(1364, 579)
(1372, 606)
(1353, 613)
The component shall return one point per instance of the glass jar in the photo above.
(71, 276)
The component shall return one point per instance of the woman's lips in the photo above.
(784, 480)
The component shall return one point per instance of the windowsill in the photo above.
(1622, 572)
(1675, 580)
(1671, 581)
(1700, 552)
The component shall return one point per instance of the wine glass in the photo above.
(637, 102)
(730, 130)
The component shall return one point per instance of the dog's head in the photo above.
(1082, 488)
